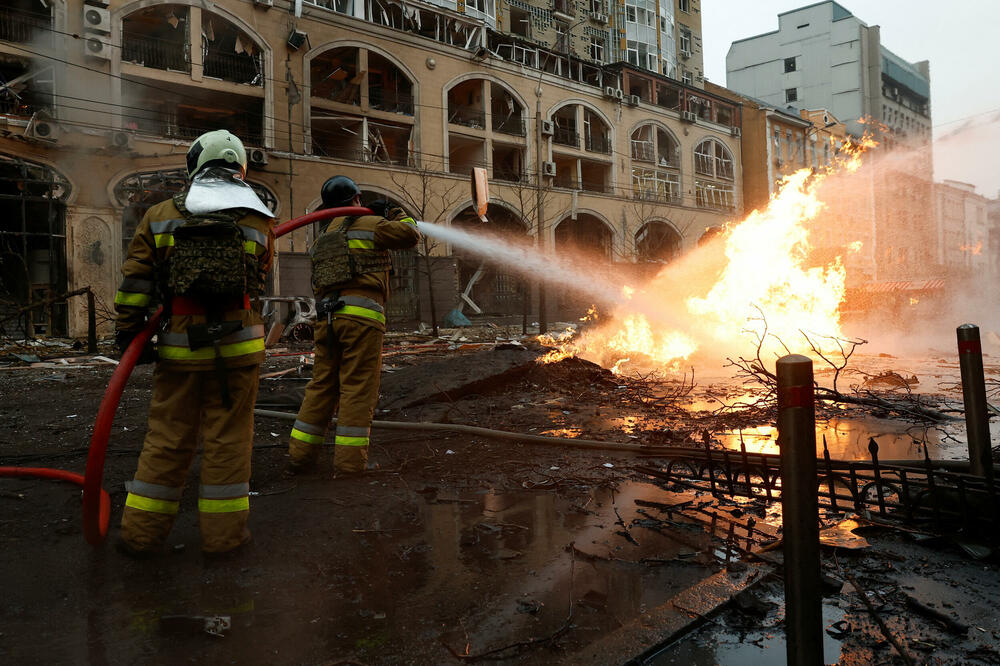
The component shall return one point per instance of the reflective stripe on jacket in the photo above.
(147, 256)
(371, 232)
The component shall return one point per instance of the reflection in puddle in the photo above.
(847, 439)
(563, 432)
(511, 564)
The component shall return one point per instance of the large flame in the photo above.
(763, 289)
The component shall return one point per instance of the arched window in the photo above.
(713, 166)
(486, 125)
(656, 173)
(213, 51)
(139, 192)
(32, 245)
(581, 165)
(493, 289)
(657, 242)
(362, 107)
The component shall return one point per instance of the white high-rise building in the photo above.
(822, 56)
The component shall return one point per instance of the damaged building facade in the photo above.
(100, 101)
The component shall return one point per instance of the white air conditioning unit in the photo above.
(609, 92)
(633, 100)
(685, 54)
(689, 117)
(266, 4)
(96, 19)
(548, 128)
(97, 46)
(257, 158)
(119, 140)
(619, 94)
(549, 168)
(599, 17)
(735, 131)
(43, 126)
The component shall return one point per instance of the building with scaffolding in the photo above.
(587, 151)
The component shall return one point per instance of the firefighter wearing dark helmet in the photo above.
(204, 254)
(350, 276)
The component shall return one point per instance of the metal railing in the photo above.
(392, 103)
(468, 116)
(514, 126)
(22, 26)
(155, 53)
(566, 136)
(234, 67)
(598, 144)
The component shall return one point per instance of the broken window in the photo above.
(668, 96)
(655, 184)
(158, 37)
(25, 21)
(25, 88)
(465, 104)
(508, 163)
(685, 42)
(586, 235)
(32, 246)
(565, 127)
(228, 53)
(657, 242)
(388, 87)
(520, 22)
(334, 76)
(490, 288)
(597, 49)
(137, 193)
(361, 139)
(713, 159)
(190, 111)
(596, 135)
(465, 153)
(507, 114)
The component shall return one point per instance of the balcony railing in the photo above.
(599, 144)
(22, 26)
(510, 176)
(392, 102)
(234, 67)
(247, 126)
(468, 116)
(514, 126)
(565, 136)
(155, 53)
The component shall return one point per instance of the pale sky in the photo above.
(961, 39)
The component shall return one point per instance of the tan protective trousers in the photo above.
(186, 406)
(349, 375)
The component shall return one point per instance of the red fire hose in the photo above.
(96, 502)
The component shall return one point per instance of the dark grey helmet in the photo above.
(339, 191)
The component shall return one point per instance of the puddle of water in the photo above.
(725, 645)
(847, 439)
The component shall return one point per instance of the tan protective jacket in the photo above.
(145, 263)
(365, 297)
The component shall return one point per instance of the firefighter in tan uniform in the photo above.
(351, 282)
(205, 252)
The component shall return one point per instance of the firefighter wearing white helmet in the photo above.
(203, 254)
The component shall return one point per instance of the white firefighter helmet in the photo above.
(216, 148)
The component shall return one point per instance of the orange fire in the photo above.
(757, 272)
(972, 249)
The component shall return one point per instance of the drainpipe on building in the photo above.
(543, 319)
